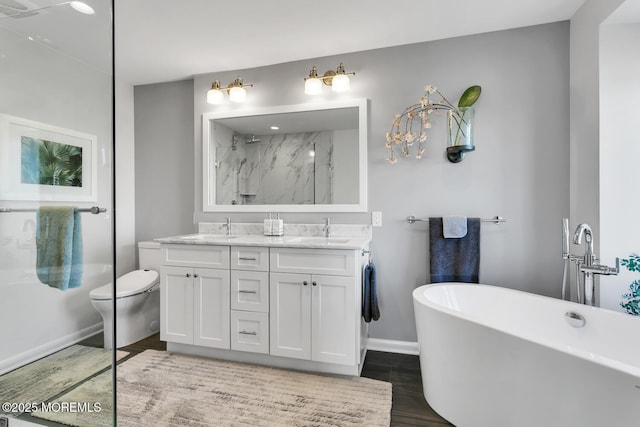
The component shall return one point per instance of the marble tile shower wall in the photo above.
(279, 169)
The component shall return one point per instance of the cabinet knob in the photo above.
(305, 283)
(314, 283)
(195, 275)
(188, 275)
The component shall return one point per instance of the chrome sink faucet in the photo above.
(327, 228)
(587, 266)
(227, 225)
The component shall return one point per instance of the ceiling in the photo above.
(162, 40)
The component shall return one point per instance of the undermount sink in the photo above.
(317, 239)
(207, 237)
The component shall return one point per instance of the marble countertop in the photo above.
(309, 242)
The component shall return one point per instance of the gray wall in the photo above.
(519, 170)
(164, 159)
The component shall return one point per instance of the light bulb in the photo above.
(237, 94)
(340, 83)
(82, 7)
(313, 86)
(215, 96)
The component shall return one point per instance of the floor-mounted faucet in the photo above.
(586, 265)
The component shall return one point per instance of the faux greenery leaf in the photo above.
(469, 96)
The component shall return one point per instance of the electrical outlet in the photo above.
(4, 422)
(376, 219)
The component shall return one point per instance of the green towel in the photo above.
(59, 243)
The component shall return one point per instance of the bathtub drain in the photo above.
(575, 319)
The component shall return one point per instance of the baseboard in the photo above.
(48, 348)
(391, 346)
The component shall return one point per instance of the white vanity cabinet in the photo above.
(294, 307)
(195, 301)
(315, 316)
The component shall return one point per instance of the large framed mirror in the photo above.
(293, 158)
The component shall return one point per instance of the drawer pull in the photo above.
(242, 258)
(248, 333)
(305, 283)
(314, 283)
(195, 275)
(242, 291)
(188, 275)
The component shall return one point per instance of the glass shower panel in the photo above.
(56, 165)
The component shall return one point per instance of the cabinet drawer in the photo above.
(250, 331)
(250, 290)
(249, 258)
(196, 256)
(314, 261)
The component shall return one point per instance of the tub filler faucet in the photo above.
(587, 265)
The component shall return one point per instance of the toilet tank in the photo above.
(149, 255)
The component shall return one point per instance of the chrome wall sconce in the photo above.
(338, 80)
(235, 90)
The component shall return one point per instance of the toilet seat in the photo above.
(132, 283)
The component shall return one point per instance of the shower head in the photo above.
(252, 140)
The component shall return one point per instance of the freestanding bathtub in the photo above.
(497, 357)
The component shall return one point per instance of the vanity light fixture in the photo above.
(338, 80)
(235, 90)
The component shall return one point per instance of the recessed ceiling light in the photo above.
(274, 128)
(82, 7)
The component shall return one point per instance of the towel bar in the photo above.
(94, 210)
(496, 219)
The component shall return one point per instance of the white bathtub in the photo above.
(497, 357)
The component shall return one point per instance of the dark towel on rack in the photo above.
(454, 260)
(59, 247)
(370, 309)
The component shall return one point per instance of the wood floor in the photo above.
(403, 372)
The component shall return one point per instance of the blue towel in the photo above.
(370, 309)
(59, 244)
(454, 260)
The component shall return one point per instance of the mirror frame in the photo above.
(208, 158)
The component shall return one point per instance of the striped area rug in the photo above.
(158, 388)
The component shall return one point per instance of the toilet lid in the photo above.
(132, 283)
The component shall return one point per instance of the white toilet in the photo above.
(137, 300)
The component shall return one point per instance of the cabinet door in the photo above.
(334, 317)
(176, 304)
(290, 315)
(211, 308)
